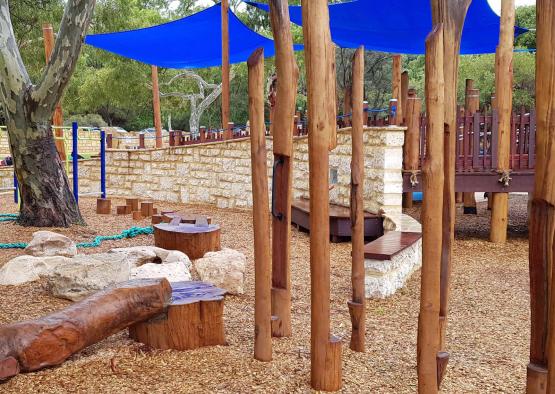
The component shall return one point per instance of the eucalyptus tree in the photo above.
(46, 198)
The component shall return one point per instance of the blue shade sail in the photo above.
(191, 42)
(401, 26)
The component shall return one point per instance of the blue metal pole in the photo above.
(103, 163)
(75, 162)
(15, 189)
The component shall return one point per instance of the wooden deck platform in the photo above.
(387, 246)
(340, 221)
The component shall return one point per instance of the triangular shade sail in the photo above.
(191, 42)
(401, 26)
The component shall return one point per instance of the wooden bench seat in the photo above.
(390, 244)
(340, 221)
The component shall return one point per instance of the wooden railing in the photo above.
(477, 142)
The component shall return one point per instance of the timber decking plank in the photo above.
(391, 243)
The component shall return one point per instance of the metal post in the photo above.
(103, 163)
(15, 189)
(74, 161)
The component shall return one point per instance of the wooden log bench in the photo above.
(389, 261)
(192, 239)
(194, 319)
(340, 221)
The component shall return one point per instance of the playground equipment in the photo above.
(193, 319)
(195, 240)
(31, 345)
(74, 139)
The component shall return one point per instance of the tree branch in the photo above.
(13, 75)
(76, 19)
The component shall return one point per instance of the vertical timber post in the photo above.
(156, 106)
(57, 119)
(358, 303)
(404, 95)
(452, 14)
(284, 113)
(396, 89)
(411, 147)
(432, 212)
(325, 350)
(261, 213)
(472, 105)
(504, 92)
(225, 67)
(541, 369)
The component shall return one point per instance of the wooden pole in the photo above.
(432, 202)
(411, 151)
(542, 218)
(261, 213)
(451, 14)
(156, 106)
(472, 105)
(347, 106)
(504, 92)
(284, 113)
(396, 88)
(225, 68)
(404, 95)
(357, 304)
(57, 118)
(325, 350)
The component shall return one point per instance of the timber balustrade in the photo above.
(477, 141)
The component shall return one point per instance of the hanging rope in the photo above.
(505, 178)
(414, 177)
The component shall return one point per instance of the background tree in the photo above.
(46, 199)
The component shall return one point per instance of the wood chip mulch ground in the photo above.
(488, 326)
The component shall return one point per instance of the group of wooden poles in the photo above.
(272, 265)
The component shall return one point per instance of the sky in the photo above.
(495, 4)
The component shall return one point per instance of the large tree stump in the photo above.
(190, 239)
(193, 319)
(190, 218)
(48, 341)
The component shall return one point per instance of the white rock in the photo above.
(47, 243)
(224, 269)
(86, 274)
(140, 255)
(174, 272)
(23, 269)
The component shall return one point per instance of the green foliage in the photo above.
(526, 17)
(481, 68)
(86, 120)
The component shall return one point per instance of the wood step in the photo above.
(388, 245)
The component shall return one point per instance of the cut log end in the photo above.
(103, 206)
(9, 367)
(442, 361)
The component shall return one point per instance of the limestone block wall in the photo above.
(219, 173)
(89, 142)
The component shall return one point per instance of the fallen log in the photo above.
(31, 345)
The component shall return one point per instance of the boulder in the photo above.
(225, 269)
(23, 269)
(173, 272)
(83, 275)
(47, 243)
(140, 255)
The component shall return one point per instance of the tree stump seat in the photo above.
(192, 239)
(194, 318)
(188, 218)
